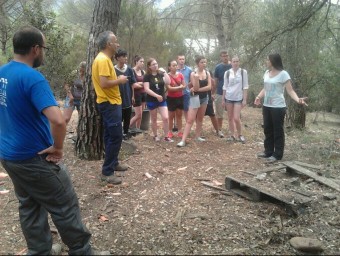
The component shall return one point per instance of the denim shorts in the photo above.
(153, 104)
(234, 101)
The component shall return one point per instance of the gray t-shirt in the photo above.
(274, 89)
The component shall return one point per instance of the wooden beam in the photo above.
(313, 175)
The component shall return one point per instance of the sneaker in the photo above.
(96, 252)
(231, 138)
(200, 139)
(241, 139)
(156, 138)
(135, 130)
(56, 249)
(262, 155)
(220, 134)
(167, 139)
(111, 179)
(271, 159)
(126, 136)
(121, 167)
(170, 135)
(180, 134)
(181, 144)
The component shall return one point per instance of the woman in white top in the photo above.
(276, 80)
(235, 91)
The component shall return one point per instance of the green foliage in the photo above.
(54, 67)
(142, 32)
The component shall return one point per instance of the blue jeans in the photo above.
(113, 135)
(273, 121)
(43, 187)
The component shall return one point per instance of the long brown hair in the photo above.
(148, 64)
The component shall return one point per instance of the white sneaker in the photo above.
(167, 139)
(200, 139)
(156, 138)
(220, 134)
(181, 144)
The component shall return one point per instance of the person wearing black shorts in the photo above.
(175, 100)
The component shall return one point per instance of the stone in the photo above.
(306, 244)
(329, 196)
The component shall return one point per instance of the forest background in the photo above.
(305, 33)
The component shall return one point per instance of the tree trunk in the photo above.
(3, 29)
(90, 143)
(296, 114)
(217, 7)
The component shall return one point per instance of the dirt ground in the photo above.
(174, 213)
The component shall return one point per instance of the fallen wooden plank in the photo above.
(304, 193)
(298, 169)
(253, 193)
(308, 165)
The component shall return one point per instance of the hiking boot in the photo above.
(126, 136)
(170, 135)
(181, 144)
(220, 134)
(168, 139)
(241, 139)
(121, 167)
(111, 179)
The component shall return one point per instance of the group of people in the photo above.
(33, 129)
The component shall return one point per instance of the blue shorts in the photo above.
(153, 105)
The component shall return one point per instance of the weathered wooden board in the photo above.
(293, 206)
(292, 167)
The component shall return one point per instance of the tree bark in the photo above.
(217, 7)
(296, 114)
(89, 144)
(3, 28)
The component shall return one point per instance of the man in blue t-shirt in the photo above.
(220, 69)
(32, 132)
(186, 71)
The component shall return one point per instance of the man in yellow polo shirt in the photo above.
(106, 84)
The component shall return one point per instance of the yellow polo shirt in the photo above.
(103, 66)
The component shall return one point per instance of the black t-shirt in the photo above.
(156, 84)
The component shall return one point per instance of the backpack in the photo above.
(228, 73)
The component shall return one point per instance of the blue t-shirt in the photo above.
(24, 129)
(219, 74)
(186, 71)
